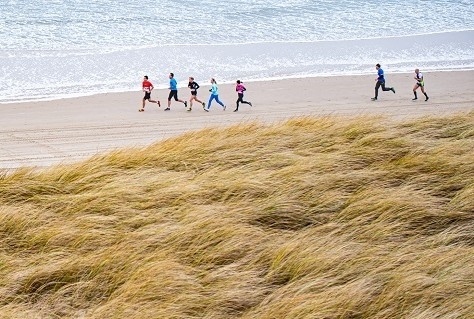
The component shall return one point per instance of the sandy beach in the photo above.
(62, 131)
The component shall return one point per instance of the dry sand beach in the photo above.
(67, 130)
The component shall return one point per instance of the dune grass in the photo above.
(309, 218)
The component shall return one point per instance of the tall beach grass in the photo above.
(309, 218)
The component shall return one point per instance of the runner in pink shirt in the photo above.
(240, 88)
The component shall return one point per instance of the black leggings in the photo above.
(241, 99)
(380, 84)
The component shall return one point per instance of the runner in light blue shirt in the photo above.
(214, 96)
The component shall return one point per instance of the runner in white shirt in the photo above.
(420, 83)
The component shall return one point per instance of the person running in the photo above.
(380, 82)
(420, 83)
(147, 87)
(240, 88)
(174, 92)
(214, 96)
(194, 87)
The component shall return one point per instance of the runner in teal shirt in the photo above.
(174, 92)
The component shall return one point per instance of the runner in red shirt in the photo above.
(147, 87)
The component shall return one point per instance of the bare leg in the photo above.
(196, 99)
(415, 87)
(157, 102)
(143, 106)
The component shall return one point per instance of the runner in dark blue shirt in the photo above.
(380, 82)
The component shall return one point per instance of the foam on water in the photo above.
(54, 49)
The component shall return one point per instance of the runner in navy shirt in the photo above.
(380, 82)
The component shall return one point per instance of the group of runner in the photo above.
(147, 87)
(380, 82)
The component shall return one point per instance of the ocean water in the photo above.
(52, 49)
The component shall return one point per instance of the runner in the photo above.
(147, 87)
(420, 83)
(194, 87)
(240, 88)
(380, 82)
(174, 92)
(214, 96)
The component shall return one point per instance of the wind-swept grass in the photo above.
(309, 218)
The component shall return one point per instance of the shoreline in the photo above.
(45, 133)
